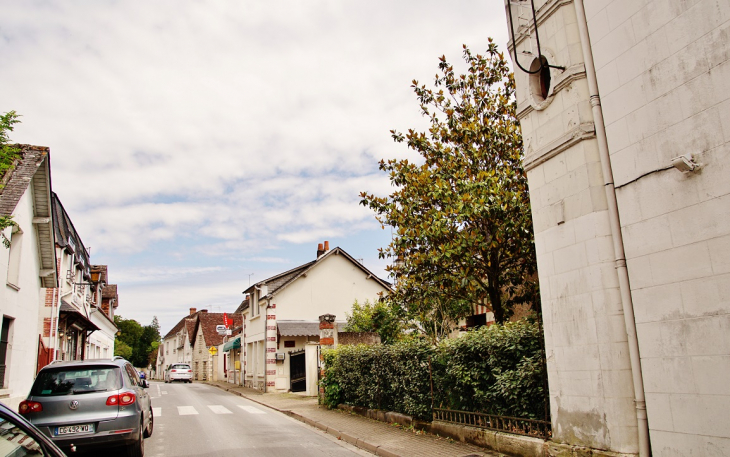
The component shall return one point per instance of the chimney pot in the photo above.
(326, 246)
(192, 311)
(320, 250)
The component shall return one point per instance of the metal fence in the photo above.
(527, 427)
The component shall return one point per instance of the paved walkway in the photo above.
(373, 436)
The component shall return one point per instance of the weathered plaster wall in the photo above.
(22, 305)
(591, 393)
(663, 70)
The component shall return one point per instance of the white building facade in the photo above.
(27, 267)
(282, 318)
(626, 149)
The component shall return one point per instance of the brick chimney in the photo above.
(320, 250)
(192, 311)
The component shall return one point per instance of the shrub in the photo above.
(498, 369)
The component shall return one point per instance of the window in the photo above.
(16, 245)
(4, 341)
(16, 438)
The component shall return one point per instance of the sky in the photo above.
(200, 146)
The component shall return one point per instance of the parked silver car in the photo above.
(82, 405)
(179, 372)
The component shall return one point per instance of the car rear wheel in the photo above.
(150, 425)
(136, 449)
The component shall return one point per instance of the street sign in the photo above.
(213, 350)
(226, 321)
(220, 328)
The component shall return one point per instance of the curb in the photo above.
(357, 442)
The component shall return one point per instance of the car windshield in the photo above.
(76, 380)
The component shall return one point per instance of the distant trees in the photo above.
(135, 342)
(461, 212)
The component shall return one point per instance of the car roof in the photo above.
(115, 362)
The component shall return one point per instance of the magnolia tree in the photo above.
(461, 212)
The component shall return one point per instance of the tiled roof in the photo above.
(33, 166)
(109, 291)
(102, 270)
(177, 327)
(244, 305)
(207, 323)
(67, 236)
(282, 280)
(18, 179)
(301, 328)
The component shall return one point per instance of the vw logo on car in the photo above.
(74, 404)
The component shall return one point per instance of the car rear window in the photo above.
(64, 381)
(180, 367)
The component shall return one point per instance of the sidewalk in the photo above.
(373, 436)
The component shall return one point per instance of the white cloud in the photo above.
(232, 129)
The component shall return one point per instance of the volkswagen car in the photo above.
(88, 404)
(179, 372)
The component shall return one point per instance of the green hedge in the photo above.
(498, 369)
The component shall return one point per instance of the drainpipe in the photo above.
(618, 244)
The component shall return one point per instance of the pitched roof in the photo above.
(244, 305)
(67, 237)
(207, 322)
(17, 180)
(109, 291)
(33, 165)
(279, 282)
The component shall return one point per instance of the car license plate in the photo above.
(74, 429)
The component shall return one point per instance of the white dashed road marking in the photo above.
(251, 409)
(219, 409)
(157, 412)
(186, 410)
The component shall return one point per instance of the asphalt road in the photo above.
(201, 420)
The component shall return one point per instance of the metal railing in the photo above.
(527, 427)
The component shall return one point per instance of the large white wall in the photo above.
(663, 70)
(23, 305)
(330, 288)
(664, 83)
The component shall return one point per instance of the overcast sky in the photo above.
(200, 145)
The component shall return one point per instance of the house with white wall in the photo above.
(176, 345)
(281, 319)
(206, 365)
(625, 116)
(68, 308)
(28, 267)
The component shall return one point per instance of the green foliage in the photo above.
(498, 369)
(122, 349)
(380, 377)
(462, 217)
(8, 153)
(379, 317)
(140, 339)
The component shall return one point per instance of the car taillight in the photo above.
(173, 371)
(190, 371)
(122, 399)
(27, 407)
